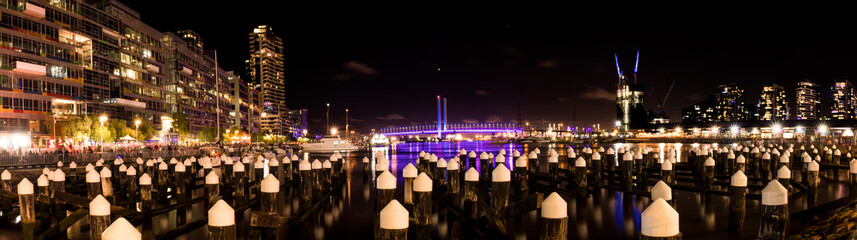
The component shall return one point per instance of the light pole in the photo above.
(102, 119)
(136, 129)
(327, 116)
(346, 124)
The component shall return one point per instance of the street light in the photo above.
(102, 119)
(136, 129)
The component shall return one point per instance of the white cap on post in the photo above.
(501, 174)
(662, 190)
(212, 178)
(422, 183)
(59, 176)
(452, 165)
(659, 220)
(221, 214)
(667, 165)
(42, 181)
(99, 206)
(775, 194)
(25, 187)
(471, 175)
(269, 185)
(93, 177)
(784, 173)
(145, 179)
(409, 171)
(386, 181)
(394, 215)
(521, 162)
(121, 229)
(554, 207)
(738, 179)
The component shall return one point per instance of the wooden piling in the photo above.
(554, 218)
(212, 189)
(385, 189)
(627, 171)
(409, 173)
(93, 184)
(737, 201)
(99, 216)
(596, 168)
(708, 174)
(221, 222)
(501, 180)
(269, 188)
(422, 199)
(784, 176)
(775, 216)
(106, 183)
(664, 191)
(305, 169)
(394, 222)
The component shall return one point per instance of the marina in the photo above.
(341, 202)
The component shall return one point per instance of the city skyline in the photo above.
(505, 65)
(553, 69)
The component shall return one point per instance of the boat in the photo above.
(379, 140)
(328, 144)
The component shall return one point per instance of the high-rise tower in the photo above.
(266, 73)
(630, 108)
(807, 100)
(773, 104)
(843, 103)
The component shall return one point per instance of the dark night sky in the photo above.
(383, 67)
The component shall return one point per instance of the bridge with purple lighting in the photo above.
(453, 128)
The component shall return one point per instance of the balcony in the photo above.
(35, 11)
(154, 68)
(30, 68)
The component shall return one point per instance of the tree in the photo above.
(180, 124)
(145, 131)
(208, 134)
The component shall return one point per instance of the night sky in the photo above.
(384, 67)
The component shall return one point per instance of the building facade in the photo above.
(772, 104)
(730, 103)
(299, 125)
(65, 57)
(703, 112)
(807, 100)
(843, 103)
(266, 74)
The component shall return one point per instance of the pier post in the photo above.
(440, 174)
(775, 216)
(667, 173)
(269, 188)
(501, 180)
(627, 171)
(533, 161)
(57, 188)
(784, 176)
(737, 201)
(212, 189)
(106, 183)
(394, 220)
(385, 189)
(99, 216)
(132, 184)
(553, 170)
(146, 195)
(305, 169)
(453, 175)
(422, 199)
(740, 163)
(580, 177)
(93, 184)
(596, 168)
(327, 174)
(409, 173)
(239, 180)
(521, 178)
(554, 218)
(765, 166)
(471, 180)
(27, 207)
(708, 175)
(316, 179)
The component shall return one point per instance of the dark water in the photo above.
(603, 214)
